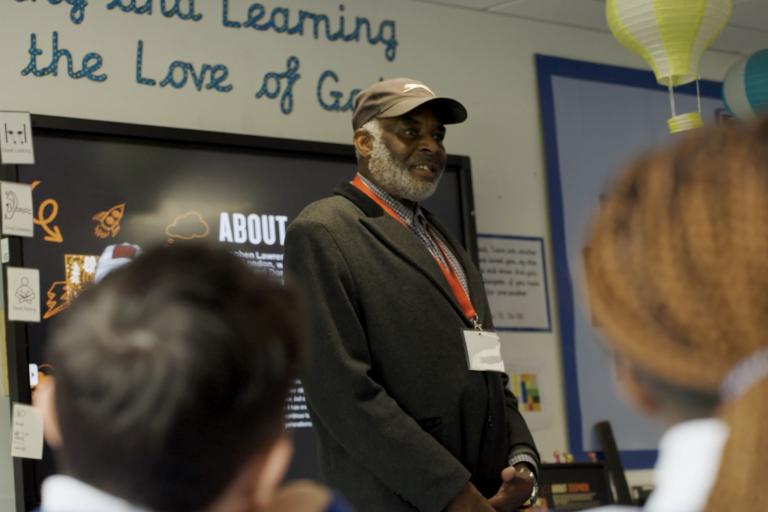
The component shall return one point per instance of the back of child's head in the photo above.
(677, 272)
(171, 373)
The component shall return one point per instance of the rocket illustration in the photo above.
(109, 221)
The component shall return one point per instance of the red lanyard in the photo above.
(453, 281)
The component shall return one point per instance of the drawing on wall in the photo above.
(79, 271)
(108, 222)
(56, 299)
(188, 226)
(47, 212)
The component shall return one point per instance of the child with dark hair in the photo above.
(171, 379)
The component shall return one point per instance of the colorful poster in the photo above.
(531, 381)
(525, 386)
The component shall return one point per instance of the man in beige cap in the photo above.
(405, 420)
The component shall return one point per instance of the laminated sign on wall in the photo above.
(516, 281)
(23, 294)
(16, 209)
(16, 138)
(26, 432)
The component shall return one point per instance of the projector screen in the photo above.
(97, 184)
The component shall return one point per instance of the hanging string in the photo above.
(698, 95)
(672, 100)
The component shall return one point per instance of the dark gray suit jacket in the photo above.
(402, 423)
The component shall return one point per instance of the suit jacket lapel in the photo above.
(400, 240)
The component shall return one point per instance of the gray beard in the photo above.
(395, 178)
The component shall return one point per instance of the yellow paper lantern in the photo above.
(671, 35)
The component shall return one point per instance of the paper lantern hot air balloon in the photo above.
(745, 90)
(671, 35)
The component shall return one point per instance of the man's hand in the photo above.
(516, 488)
(469, 500)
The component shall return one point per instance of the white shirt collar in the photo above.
(63, 493)
(689, 458)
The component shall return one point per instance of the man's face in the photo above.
(408, 158)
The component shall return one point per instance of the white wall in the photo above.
(6, 463)
(484, 60)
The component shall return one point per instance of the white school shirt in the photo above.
(61, 493)
(689, 460)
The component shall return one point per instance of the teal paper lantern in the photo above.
(745, 90)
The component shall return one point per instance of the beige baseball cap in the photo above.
(398, 96)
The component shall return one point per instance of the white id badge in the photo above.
(483, 351)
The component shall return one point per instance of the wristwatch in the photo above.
(531, 501)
